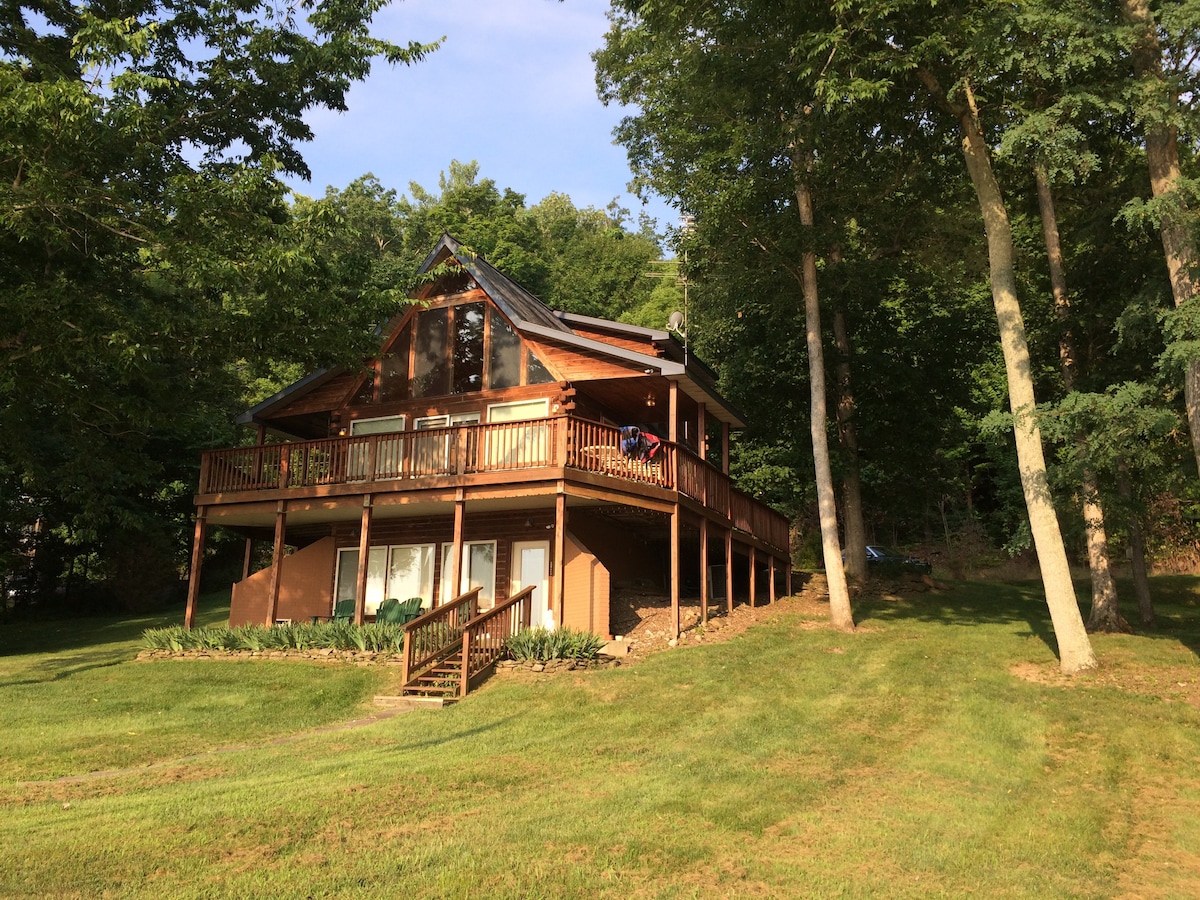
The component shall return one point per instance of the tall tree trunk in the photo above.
(1137, 553)
(1105, 614)
(856, 532)
(840, 613)
(1162, 157)
(1074, 648)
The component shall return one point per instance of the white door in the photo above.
(531, 566)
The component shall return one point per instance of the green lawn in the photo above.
(934, 753)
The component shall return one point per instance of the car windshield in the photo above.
(881, 551)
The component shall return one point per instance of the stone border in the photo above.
(372, 657)
(551, 666)
(323, 654)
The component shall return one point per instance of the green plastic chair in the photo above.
(389, 611)
(343, 610)
(410, 609)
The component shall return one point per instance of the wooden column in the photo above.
(674, 564)
(702, 433)
(558, 598)
(788, 577)
(729, 569)
(247, 558)
(673, 407)
(364, 562)
(189, 615)
(771, 574)
(704, 570)
(460, 511)
(725, 447)
(752, 579)
(276, 562)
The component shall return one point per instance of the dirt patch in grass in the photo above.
(643, 616)
(1167, 683)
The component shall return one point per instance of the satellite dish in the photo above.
(675, 322)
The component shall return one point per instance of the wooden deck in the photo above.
(474, 454)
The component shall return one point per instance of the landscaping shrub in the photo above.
(542, 645)
(378, 637)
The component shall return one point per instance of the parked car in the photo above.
(883, 559)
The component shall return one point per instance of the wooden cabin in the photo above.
(482, 449)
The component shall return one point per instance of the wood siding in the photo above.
(585, 590)
(615, 339)
(306, 588)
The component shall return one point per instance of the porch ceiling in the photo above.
(304, 514)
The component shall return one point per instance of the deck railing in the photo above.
(427, 637)
(479, 449)
(486, 636)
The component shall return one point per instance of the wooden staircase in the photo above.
(443, 679)
(449, 645)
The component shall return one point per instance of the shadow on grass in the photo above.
(968, 603)
(57, 668)
(1176, 598)
(59, 634)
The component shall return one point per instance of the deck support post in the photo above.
(247, 558)
(364, 560)
(675, 570)
(702, 433)
(560, 550)
(276, 562)
(753, 561)
(725, 448)
(729, 570)
(704, 570)
(460, 510)
(788, 577)
(771, 575)
(189, 616)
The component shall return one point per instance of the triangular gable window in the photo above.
(453, 350)
(509, 357)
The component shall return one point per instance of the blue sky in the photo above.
(513, 86)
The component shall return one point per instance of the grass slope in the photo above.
(907, 760)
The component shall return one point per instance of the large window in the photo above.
(347, 576)
(434, 454)
(400, 571)
(523, 444)
(389, 451)
(431, 364)
(505, 359)
(393, 370)
(478, 571)
(468, 348)
(410, 573)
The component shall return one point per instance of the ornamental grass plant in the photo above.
(542, 645)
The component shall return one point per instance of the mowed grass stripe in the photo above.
(906, 760)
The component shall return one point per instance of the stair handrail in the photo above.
(486, 635)
(434, 632)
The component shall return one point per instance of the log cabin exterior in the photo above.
(480, 449)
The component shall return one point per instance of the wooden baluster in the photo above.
(372, 456)
(460, 454)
